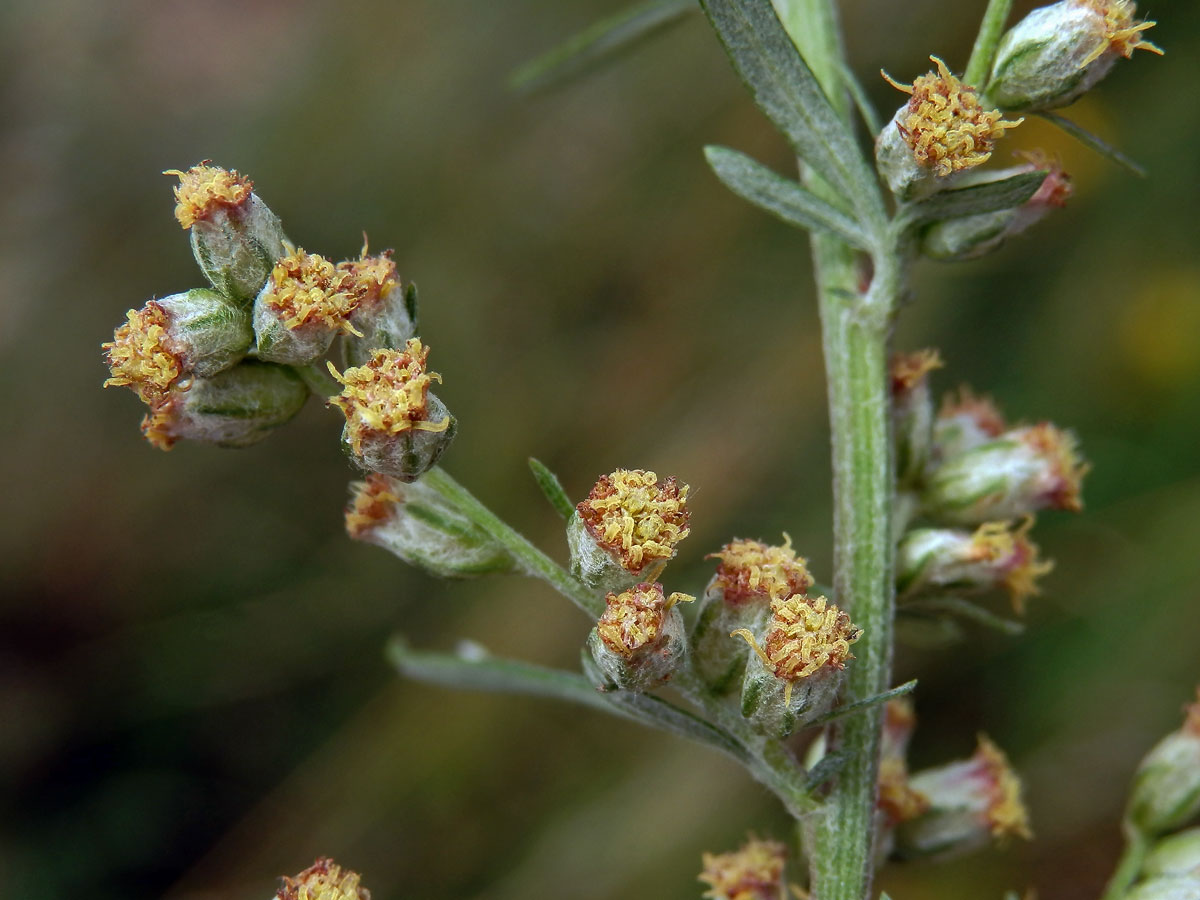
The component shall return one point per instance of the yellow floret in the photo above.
(907, 369)
(307, 289)
(141, 353)
(753, 872)
(751, 568)
(372, 504)
(1006, 813)
(636, 517)
(324, 880)
(370, 278)
(1122, 33)
(633, 619)
(204, 188)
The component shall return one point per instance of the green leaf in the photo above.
(552, 488)
(658, 713)
(599, 42)
(859, 705)
(826, 769)
(1090, 140)
(786, 199)
(966, 610)
(786, 90)
(991, 196)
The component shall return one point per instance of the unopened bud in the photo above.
(323, 880)
(1165, 887)
(302, 307)
(639, 641)
(947, 560)
(1178, 854)
(1024, 470)
(963, 423)
(1058, 52)
(912, 411)
(795, 673)
(970, 237)
(394, 424)
(235, 236)
(942, 130)
(199, 332)
(626, 529)
(739, 595)
(386, 314)
(753, 872)
(1166, 788)
(234, 408)
(416, 523)
(970, 802)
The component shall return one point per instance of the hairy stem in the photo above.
(1137, 844)
(983, 54)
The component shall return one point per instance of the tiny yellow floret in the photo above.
(157, 425)
(636, 517)
(308, 289)
(633, 619)
(142, 354)
(387, 395)
(1006, 813)
(370, 278)
(752, 568)
(1059, 449)
(946, 127)
(753, 872)
(373, 503)
(202, 189)
(1122, 33)
(323, 880)
(908, 369)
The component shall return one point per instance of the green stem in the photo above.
(855, 329)
(1137, 844)
(531, 560)
(983, 54)
(316, 377)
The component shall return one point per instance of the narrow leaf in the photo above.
(552, 488)
(965, 609)
(787, 91)
(788, 200)
(825, 770)
(599, 42)
(658, 713)
(991, 196)
(1090, 140)
(860, 705)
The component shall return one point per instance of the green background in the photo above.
(193, 696)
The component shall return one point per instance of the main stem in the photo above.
(855, 332)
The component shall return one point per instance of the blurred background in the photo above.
(193, 694)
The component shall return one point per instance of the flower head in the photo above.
(635, 517)
(983, 786)
(945, 126)
(753, 872)
(370, 278)
(907, 370)
(202, 189)
(634, 619)
(142, 354)
(323, 880)
(372, 504)
(898, 801)
(754, 569)
(307, 289)
(1122, 34)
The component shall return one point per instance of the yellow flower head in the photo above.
(754, 872)
(636, 517)
(142, 354)
(1058, 448)
(202, 189)
(159, 424)
(633, 619)
(387, 395)
(308, 289)
(370, 278)
(373, 503)
(1014, 555)
(981, 411)
(323, 880)
(1122, 33)
(908, 369)
(946, 127)
(1005, 811)
(754, 569)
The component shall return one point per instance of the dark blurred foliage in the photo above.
(193, 695)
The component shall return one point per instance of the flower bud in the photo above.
(417, 524)
(943, 129)
(394, 425)
(1166, 788)
(1058, 52)
(1024, 470)
(963, 423)
(912, 411)
(1178, 854)
(234, 408)
(970, 802)
(386, 315)
(639, 641)
(627, 528)
(235, 236)
(739, 595)
(1165, 887)
(946, 560)
(752, 872)
(969, 237)
(794, 675)
(198, 332)
(305, 302)
(323, 880)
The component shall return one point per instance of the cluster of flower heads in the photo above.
(323, 880)
(230, 363)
